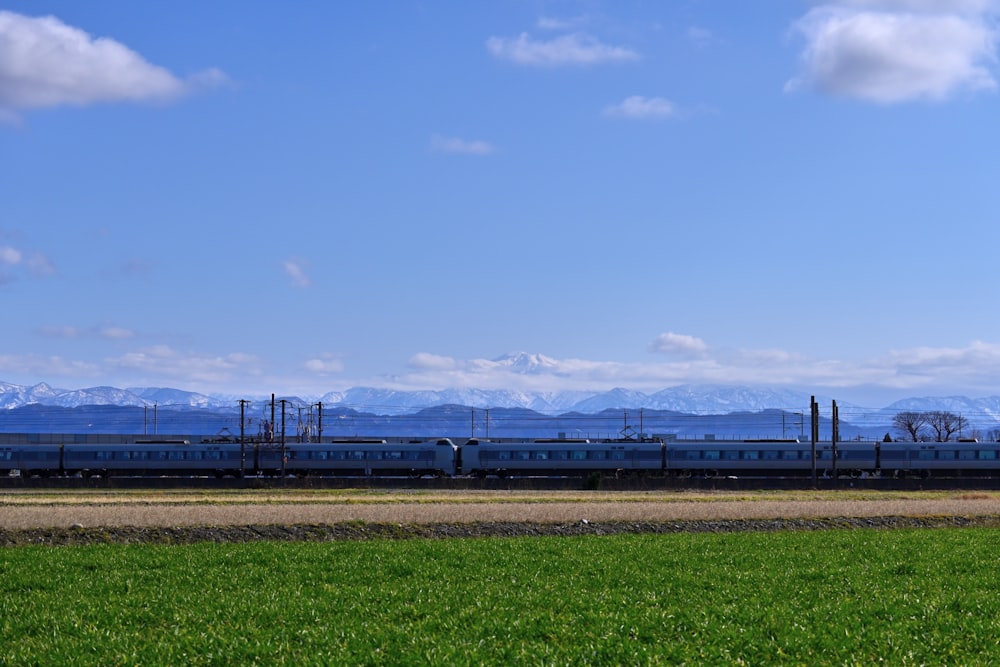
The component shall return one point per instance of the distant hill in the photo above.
(687, 411)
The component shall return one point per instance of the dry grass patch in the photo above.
(285, 507)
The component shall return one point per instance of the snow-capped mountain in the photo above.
(690, 399)
(722, 399)
(525, 363)
(15, 396)
(389, 401)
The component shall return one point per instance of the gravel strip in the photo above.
(368, 531)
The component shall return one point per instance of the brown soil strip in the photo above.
(152, 514)
(191, 517)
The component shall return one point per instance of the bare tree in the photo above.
(910, 424)
(946, 424)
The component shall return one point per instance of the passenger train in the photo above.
(505, 458)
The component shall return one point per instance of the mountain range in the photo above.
(686, 411)
(689, 399)
(692, 399)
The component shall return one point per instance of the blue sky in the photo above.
(251, 197)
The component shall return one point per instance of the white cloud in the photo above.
(10, 256)
(45, 62)
(52, 366)
(116, 333)
(324, 365)
(573, 49)
(427, 361)
(970, 370)
(640, 108)
(930, 6)
(679, 344)
(889, 52)
(107, 332)
(60, 331)
(460, 146)
(39, 265)
(295, 270)
(553, 23)
(166, 364)
(34, 263)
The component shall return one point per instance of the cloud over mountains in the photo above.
(893, 51)
(46, 63)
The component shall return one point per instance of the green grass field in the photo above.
(833, 597)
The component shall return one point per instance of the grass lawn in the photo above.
(830, 597)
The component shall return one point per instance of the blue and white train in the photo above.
(505, 458)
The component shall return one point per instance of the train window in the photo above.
(712, 454)
(789, 455)
(394, 456)
(214, 456)
(375, 456)
(692, 454)
(731, 455)
(559, 455)
(966, 454)
(597, 455)
(926, 454)
(770, 454)
(751, 455)
(990, 454)
(618, 454)
(578, 455)
(355, 455)
(5, 456)
(503, 455)
(541, 456)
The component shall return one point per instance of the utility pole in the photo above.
(284, 451)
(243, 445)
(814, 417)
(319, 422)
(272, 419)
(835, 435)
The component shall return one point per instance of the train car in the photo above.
(941, 459)
(768, 458)
(31, 460)
(853, 459)
(152, 459)
(376, 458)
(738, 458)
(561, 457)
